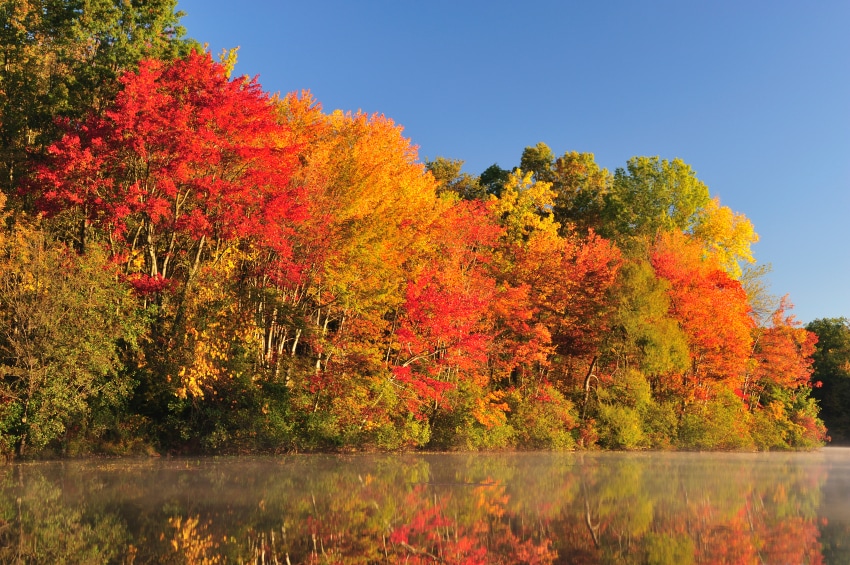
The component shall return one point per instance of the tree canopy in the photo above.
(247, 272)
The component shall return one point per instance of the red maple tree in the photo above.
(184, 164)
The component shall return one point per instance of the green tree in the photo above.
(538, 161)
(652, 195)
(449, 178)
(832, 369)
(61, 58)
(580, 190)
(646, 337)
(63, 321)
(493, 179)
(579, 184)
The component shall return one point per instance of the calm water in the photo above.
(507, 508)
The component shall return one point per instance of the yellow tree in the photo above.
(726, 235)
(327, 335)
(525, 207)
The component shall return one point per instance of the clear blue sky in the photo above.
(754, 95)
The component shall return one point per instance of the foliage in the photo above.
(538, 161)
(65, 322)
(621, 408)
(831, 375)
(178, 175)
(252, 273)
(712, 309)
(61, 58)
(719, 423)
(581, 188)
(652, 195)
(450, 179)
(647, 336)
(726, 235)
(782, 354)
(542, 418)
(183, 164)
(493, 179)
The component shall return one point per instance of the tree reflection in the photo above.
(39, 525)
(519, 508)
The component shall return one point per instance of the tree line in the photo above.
(194, 265)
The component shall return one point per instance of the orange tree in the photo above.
(713, 311)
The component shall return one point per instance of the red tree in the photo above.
(184, 164)
(445, 325)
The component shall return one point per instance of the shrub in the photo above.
(719, 423)
(542, 418)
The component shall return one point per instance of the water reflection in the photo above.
(471, 508)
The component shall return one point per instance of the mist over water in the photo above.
(432, 508)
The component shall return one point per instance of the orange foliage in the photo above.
(783, 352)
(712, 309)
(568, 280)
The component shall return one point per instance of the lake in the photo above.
(432, 508)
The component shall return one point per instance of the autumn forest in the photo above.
(194, 265)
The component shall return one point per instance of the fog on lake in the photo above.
(432, 508)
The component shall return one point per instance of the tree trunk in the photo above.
(587, 378)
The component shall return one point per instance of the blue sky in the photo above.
(755, 96)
